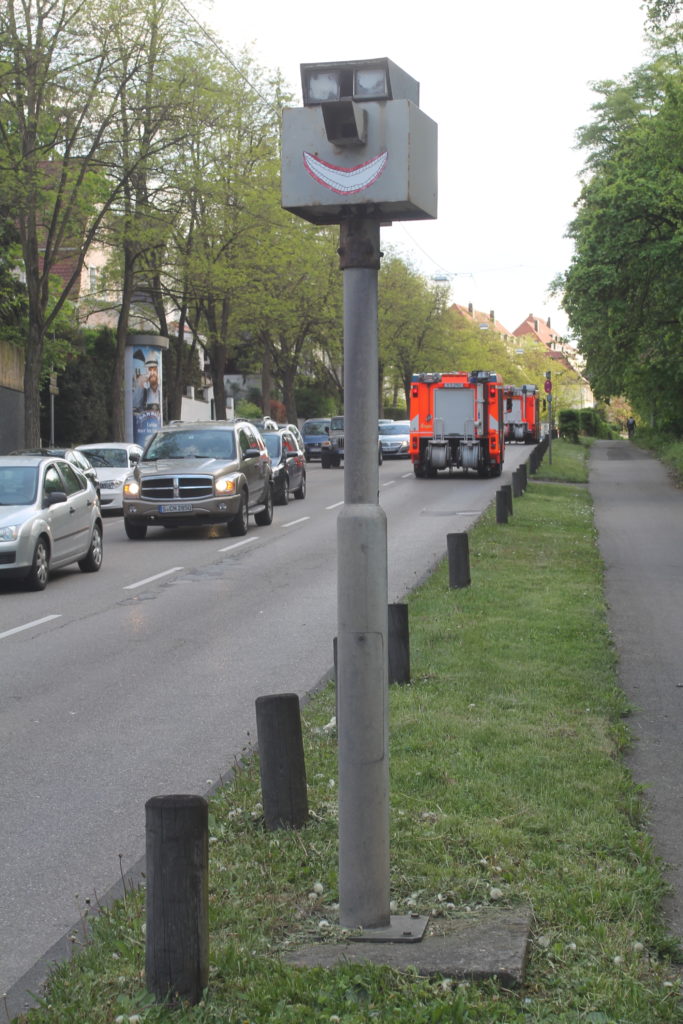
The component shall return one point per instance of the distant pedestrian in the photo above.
(631, 427)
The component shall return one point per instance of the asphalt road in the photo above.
(639, 515)
(141, 679)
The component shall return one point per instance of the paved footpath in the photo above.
(639, 516)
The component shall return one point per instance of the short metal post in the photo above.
(177, 935)
(399, 644)
(516, 485)
(523, 476)
(282, 762)
(458, 548)
(501, 506)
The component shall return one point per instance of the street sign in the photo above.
(548, 385)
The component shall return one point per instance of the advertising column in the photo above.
(144, 386)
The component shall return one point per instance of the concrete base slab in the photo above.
(401, 928)
(489, 943)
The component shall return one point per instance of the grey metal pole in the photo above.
(362, 608)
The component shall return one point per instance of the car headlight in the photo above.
(131, 489)
(109, 485)
(225, 485)
(9, 532)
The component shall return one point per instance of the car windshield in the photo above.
(315, 427)
(117, 457)
(18, 485)
(187, 444)
(394, 428)
(273, 443)
(337, 423)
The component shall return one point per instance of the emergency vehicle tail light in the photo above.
(414, 392)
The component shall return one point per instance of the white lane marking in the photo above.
(29, 625)
(151, 579)
(406, 476)
(238, 544)
(295, 521)
(328, 508)
(389, 483)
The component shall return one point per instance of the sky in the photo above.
(508, 85)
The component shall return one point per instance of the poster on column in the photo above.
(147, 392)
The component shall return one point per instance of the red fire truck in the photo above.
(522, 420)
(456, 421)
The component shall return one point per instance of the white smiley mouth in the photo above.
(345, 180)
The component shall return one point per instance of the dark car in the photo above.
(289, 466)
(49, 517)
(72, 455)
(314, 433)
(195, 474)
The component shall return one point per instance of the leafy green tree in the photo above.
(413, 324)
(59, 97)
(295, 303)
(84, 407)
(226, 179)
(624, 288)
(13, 304)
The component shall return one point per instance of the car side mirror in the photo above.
(252, 453)
(55, 498)
(134, 459)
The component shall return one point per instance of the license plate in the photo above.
(178, 506)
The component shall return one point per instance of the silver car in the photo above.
(394, 437)
(49, 517)
(113, 462)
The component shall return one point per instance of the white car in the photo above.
(112, 461)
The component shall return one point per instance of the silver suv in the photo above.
(195, 474)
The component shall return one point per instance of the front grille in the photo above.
(177, 488)
(337, 442)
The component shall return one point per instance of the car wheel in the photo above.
(283, 491)
(300, 492)
(135, 531)
(380, 457)
(265, 516)
(325, 460)
(93, 559)
(40, 566)
(239, 523)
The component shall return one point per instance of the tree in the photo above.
(226, 180)
(150, 130)
(413, 324)
(624, 288)
(294, 302)
(59, 97)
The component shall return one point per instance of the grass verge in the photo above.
(507, 787)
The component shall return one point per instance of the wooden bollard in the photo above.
(177, 936)
(501, 506)
(399, 644)
(458, 548)
(507, 491)
(281, 756)
(524, 476)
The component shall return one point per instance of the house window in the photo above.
(93, 273)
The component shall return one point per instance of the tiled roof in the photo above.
(476, 316)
